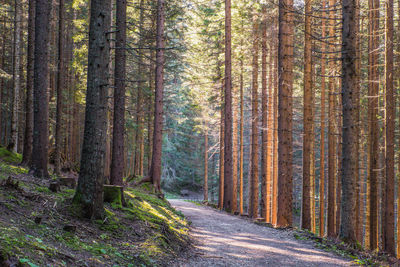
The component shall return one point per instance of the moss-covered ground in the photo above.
(39, 228)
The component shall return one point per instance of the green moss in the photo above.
(159, 229)
(10, 157)
(112, 194)
(6, 170)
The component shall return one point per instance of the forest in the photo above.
(283, 112)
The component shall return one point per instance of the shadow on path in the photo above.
(225, 240)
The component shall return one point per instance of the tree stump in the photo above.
(114, 194)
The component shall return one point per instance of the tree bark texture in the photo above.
(89, 192)
(118, 147)
(285, 74)
(40, 90)
(228, 151)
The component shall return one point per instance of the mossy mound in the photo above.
(38, 229)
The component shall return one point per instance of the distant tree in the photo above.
(322, 137)
(27, 150)
(13, 142)
(60, 87)
(205, 182)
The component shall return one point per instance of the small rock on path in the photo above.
(225, 240)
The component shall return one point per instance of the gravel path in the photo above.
(225, 240)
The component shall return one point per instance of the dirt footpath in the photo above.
(225, 240)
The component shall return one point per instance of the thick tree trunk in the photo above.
(13, 142)
(60, 88)
(40, 90)
(389, 220)
(89, 192)
(118, 148)
(349, 103)
(27, 150)
(228, 166)
(285, 74)
(254, 192)
(308, 122)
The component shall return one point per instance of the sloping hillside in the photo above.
(39, 227)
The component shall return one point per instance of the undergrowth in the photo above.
(34, 226)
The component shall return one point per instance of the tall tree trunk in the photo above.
(27, 150)
(285, 74)
(2, 82)
(270, 135)
(155, 171)
(118, 148)
(253, 205)
(150, 122)
(322, 137)
(359, 203)
(89, 192)
(235, 154)
(398, 163)
(349, 148)
(373, 135)
(139, 138)
(274, 209)
(331, 225)
(228, 167)
(60, 88)
(389, 220)
(308, 120)
(13, 142)
(40, 90)
(221, 153)
(241, 139)
(264, 119)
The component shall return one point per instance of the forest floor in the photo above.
(221, 239)
(39, 227)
